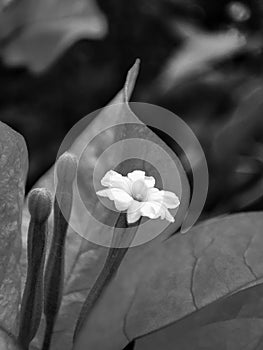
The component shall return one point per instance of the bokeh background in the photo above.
(202, 59)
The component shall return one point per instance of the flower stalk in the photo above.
(122, 237)
(39, 205)
(54, 273)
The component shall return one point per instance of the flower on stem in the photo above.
(136, 194)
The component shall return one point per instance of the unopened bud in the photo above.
(66, 167)
(39, 204)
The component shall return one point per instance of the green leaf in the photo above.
(13, 170)
(85, 259)
(49, 28)
(234, 322)
(7, 340)
(178, 278)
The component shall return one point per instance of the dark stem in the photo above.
(111, 265)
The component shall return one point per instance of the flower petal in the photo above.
(136, 175)
(149, 181)
(154, 210)
(133, 213)
(116, 180)
(122, 199)
(167, 198)
(140, 175)
(168, 216)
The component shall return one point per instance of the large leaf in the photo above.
(13, 170)
(234, 322)
(84, 259)
(48, 28)
(178, 278)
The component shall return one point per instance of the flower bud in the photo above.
(39, 204)
(66, 167)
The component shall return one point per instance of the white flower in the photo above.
(136, 194)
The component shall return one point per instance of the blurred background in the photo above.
(201, 59)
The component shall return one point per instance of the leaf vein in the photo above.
(192, 282)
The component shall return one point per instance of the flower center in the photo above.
(139, 190)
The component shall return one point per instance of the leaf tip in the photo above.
(131, 79)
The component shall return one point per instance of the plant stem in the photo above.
(110, 267)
